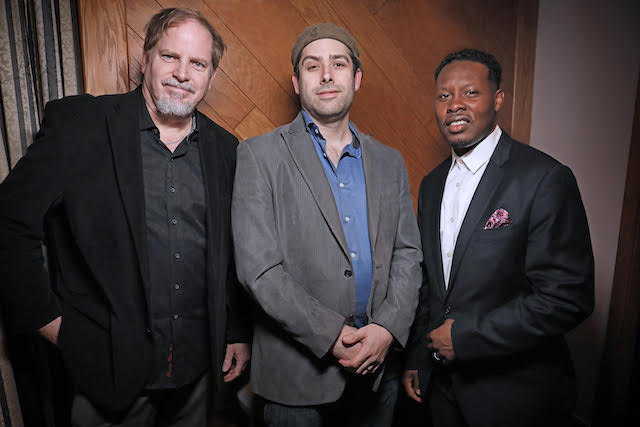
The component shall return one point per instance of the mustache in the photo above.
(328, 88)
(175, 83)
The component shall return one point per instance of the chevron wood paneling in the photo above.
(401, 43)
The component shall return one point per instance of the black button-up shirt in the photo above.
(175, 207)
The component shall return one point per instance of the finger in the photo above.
(411, 391)
(363, 367)
(354, 337)
(228, 360)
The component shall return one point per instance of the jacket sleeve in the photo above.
(559, 269)
(398, 309)
(417, 352)
(34, 185)
(259, 262)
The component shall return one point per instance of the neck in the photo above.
(336, 132)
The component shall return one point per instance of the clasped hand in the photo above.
(362, 350)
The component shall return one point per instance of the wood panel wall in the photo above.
(401, 43)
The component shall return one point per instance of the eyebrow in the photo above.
(318, 58)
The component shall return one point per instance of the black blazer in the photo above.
(79, 189)
(513, 291)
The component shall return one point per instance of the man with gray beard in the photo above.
(131, 194)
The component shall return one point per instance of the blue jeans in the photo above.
(358, 406)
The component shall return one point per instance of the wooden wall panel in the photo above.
(103, 42)
(401, 43)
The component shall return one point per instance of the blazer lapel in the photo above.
(484, 194)
(373, 188)
(431, 221)
(306, 159)
(122, 125)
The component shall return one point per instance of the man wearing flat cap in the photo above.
(327, 244)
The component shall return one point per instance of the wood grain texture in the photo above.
(401, 43)
(618, 386)
(525, 58)
(104, 46)
(254, 124)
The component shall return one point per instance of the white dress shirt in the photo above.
(463, 178)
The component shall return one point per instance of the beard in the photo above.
(173, 105)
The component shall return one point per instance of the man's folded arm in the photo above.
(398, 309)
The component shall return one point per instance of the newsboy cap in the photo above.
(323, 30)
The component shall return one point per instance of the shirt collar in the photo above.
(353, 148)
(474, 159)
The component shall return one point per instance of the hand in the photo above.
(342, 352)
(411, 384)
(375, 343)
(235, 360)
(441, 343)
(50, 330)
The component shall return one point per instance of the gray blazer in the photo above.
(292, 258)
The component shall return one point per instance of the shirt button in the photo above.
(174, 221)
(347, 219)
(353, 254)
(452, 220)
(325, 155)
(176, 286)
(175, 316)
(341, 184)
(457, 184)
(448, 254)
(177, 255)
(348, 273)
(172, 189)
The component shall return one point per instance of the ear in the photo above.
(145, 60)
(498, 99)
(357, 79)
(294, 80)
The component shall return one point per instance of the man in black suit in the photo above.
(131, 195)
(508, 266)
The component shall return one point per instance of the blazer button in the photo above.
(447, 310)
(348, 273)
(147, 332)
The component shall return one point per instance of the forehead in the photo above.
(189, 35)
(325, 48)
(463, 72)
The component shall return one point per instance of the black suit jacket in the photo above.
(513, 291)
(79, 189)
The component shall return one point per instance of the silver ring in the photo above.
(436, 356)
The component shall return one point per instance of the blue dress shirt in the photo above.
(349, 191)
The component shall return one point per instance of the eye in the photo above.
(443, 96)
(168, 57)
(340, 65)
(471, 92)
(199, 65)
(312, 67)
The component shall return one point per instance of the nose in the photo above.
(181, 71)
(327, 74)
(455, 104)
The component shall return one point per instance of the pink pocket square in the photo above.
(499, 218)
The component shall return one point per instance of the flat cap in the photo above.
(323, 30)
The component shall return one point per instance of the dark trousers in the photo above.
(359, 406)
(442, 401)
(181, 407)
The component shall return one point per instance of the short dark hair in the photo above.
(488, 60)
(171, 17)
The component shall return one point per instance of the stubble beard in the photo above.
(173, 105)
(329, 112)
